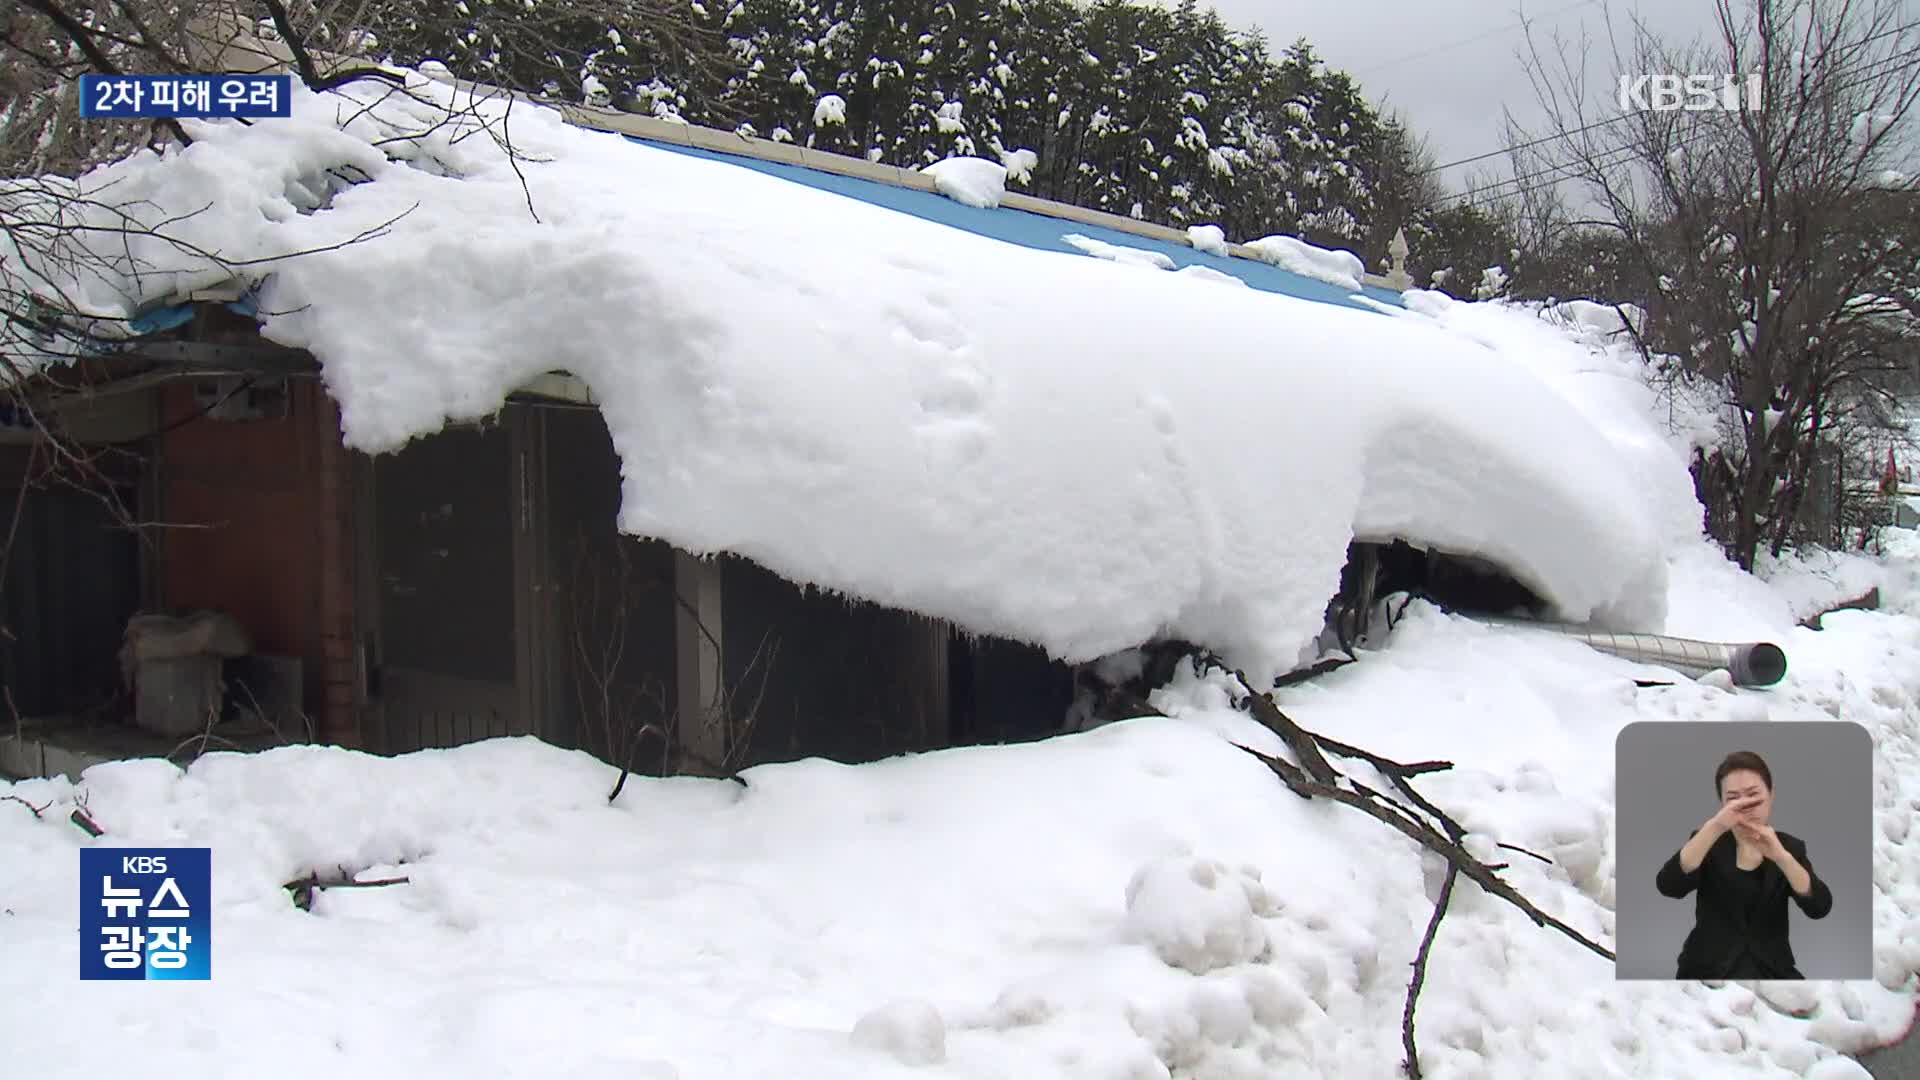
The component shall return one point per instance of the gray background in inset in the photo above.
(1822, 793)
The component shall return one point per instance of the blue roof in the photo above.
(1037, 230)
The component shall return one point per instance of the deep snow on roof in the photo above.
(1037, 231)
(1015, 437)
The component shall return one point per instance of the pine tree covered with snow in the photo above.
(1137, 109)
(1159, 112)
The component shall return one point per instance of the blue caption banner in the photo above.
(205, 97)
(146, 913)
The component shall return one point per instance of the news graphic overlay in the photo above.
(199, 97)
(1744, 850)
(146, 913)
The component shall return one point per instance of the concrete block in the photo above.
(177, 696)
(68, 763)
(20, 758)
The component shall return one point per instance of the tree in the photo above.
(1452, 248)
(67, 245)
(1406, 189)
(645, 51)
(1773, 250)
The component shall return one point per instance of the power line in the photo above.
(1524, 19)
(1524, 145)
(1869, 39)
(1885, 67)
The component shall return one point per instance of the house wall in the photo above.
(243, 513)
(327, 557)
(1007, 691)
(446, 618)
(828, 677)
(70, 580)
(606, 599)
(341, 687)
(478, 579)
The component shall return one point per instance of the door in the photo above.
(445, 659)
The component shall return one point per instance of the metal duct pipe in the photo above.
(1753, 664)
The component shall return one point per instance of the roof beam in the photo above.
(206, 357)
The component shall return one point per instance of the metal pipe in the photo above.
(1752, 664)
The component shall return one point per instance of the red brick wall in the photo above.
(258, 528)
(339, 671)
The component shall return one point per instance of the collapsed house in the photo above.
(747, 503)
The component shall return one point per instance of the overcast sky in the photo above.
(1451, 65)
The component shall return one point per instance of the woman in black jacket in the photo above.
(1743, 872)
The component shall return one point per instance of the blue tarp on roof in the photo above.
(1038, 231)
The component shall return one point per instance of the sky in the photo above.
(1452, 66)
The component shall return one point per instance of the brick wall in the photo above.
(238, 499)
(339, 720)
(266, 510)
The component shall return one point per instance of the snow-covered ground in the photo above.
(1138, 900)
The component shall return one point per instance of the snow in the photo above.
(912, 1031)
(1493, 283)
(831, 109)
(1197, 914)
(1576, 350)
(1342, 268)
(1604, 319)
(1813, 581)
(1211, 239)
(1019, 164)
(1119, 253)
(1034, 444)
(1208, 273)
(973, 181)
(1868, 126)
(1140, 900)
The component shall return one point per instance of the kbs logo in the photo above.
(146, 913)
(1690, 93)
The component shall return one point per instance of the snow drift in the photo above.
(1140, 901)
(1044, 446)
(1333, 266)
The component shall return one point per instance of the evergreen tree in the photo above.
(1160, 113)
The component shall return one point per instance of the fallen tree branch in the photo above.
(1412, 1063)
(304, 888)
(1302, 784)
(1327, 666)
(1867, 601)
(1297, 738)
(1386, 765)
(1302, 744)
(1524, 851)
(37, 810)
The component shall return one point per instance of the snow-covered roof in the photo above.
(1017, 437)
(1028, 229)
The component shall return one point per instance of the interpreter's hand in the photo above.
(1762, 837)
(1734, 814)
